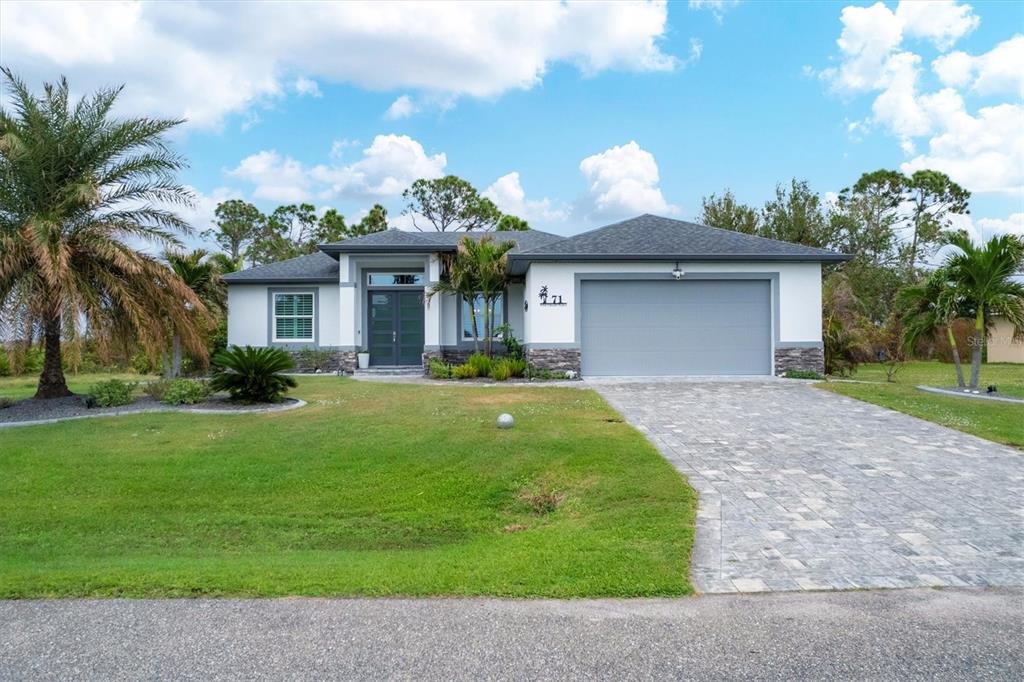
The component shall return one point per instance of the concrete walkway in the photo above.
(907, 634)
(804, 489)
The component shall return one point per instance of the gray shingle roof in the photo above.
(316, 267)
(432, 242)
(653, 237)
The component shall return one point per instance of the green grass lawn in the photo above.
(372, 489)
(1000, 422)
(17, 388)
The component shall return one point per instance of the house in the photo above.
(1003, 344)
(645, 296)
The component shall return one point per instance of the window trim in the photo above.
(274, 316)
(464, 318)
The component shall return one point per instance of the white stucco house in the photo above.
(646, 296)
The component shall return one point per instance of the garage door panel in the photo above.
(663, 328)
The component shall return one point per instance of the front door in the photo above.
(396, 327)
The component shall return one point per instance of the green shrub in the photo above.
(156, 389)
(466, 371)
(143, 364)
(110, 393)
(439, 369)
(802, 374)
(481, 363)
(253, 374)
(517, 366)
(513, 349)
(501, 370)
(314, 359)
(185, 392)
(5, 364)
(542, 374)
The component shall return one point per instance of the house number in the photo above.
(549, 299)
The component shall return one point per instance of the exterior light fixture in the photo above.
(676, 272)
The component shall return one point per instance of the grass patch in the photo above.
(996, 421)
(16, 388)
(372, 489)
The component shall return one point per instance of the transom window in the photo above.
(478, 307)
(293, 317)
(394, 279)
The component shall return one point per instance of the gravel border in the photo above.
(148, 406)
(976, 396)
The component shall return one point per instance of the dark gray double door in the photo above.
(396, 327)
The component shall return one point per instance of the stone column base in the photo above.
(342, 361)
(555, 359)
(809, 359)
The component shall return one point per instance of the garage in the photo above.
(674, 328)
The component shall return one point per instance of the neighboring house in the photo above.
(1003, 346)
(646, 296)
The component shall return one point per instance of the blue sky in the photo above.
(602, 110)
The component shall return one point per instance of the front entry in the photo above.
(396, 327)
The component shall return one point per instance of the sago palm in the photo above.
(985, 278)
(80, 190)
(202, 275)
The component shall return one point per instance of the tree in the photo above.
(458, 278)
(927, 308)
(867, 216)
(726, 213)
(796, 215)
(225, 263)
(843, 327)
(202, 276)
(374, 221)
(489, 259)
(237, 225)
(984, 277)
(933, 198)
(330, 228)
(79, 190)
(288, 232)
(511, 223)
(449, 204)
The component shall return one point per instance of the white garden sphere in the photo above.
(505, 421)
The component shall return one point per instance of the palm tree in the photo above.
(490, 260)
(225, 263)
(79, 191)
(984, 277)
(928, 307)
(459, 278)
(202, 276)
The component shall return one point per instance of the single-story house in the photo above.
(646, 296)
(1003, 344)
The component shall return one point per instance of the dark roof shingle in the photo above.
(315, 267)
(432, 242)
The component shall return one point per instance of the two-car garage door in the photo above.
(688, 327)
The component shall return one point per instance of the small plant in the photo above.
(802, 374)
(517, 366)
(5, 364)
(110, 393)
(156, 389)
(542, 374)
(439, 369)
(314, 359)
(481, 363)
(501, 370)
(541, 499)
(253, 374)
(513, 349)
(466, 371)
(185, 392)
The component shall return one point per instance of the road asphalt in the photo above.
(891, 634)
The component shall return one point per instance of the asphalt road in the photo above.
(907, 634)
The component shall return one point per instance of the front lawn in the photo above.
(372, 489)
(997, 421)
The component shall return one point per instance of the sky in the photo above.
(571, 115)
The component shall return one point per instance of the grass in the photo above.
(996, 421)
(372, 489)
(25, 386)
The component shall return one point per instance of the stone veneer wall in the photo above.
(799, 358)
(555, 359)
(341, 361)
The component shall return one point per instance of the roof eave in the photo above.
(800, 258)
(281, 280)
(336, 249)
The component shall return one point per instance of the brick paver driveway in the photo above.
(804, 489)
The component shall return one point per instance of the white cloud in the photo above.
(998, 71)
(307, 86)
(696, 50)
(983, 229)
(403, 107)
(388, 166)
(943, 22)
(207, 60)
(509, 196)
(718, 8)
(623, 181)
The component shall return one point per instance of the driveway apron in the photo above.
(804, 489)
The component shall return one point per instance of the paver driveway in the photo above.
(804, 489)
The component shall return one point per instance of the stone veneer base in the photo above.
(343, 361)
(555, 359)
(810, 359)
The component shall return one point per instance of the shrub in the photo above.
(253, 374)
(5, 364)
(517, 366)
(144, 364)
(542, 374)
(802, 374)
(439, 369)
(185, 392)
(314, 359)
(500, 370)
(110, 393)
(513, 349)
(156, 389)
(481, 363)
(466, 371)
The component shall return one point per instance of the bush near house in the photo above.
(253, 374)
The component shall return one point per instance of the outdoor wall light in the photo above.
(677, 273)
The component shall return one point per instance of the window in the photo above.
(478, 306)
(293, 317)
(394, 279)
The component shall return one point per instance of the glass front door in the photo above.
(396, 327)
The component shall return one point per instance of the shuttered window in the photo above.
(293, 317)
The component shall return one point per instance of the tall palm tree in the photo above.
(459, 278)
(79, 190)
(490, 260)
(202, 276)
(984, 277)
(927, 308)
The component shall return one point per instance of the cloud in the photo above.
(983, 150)
(623, 181)
(509, 196)
(205, 61)
(306, 86)
(718, 8)
(983, 229)
(388, 166)
(403, 107)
